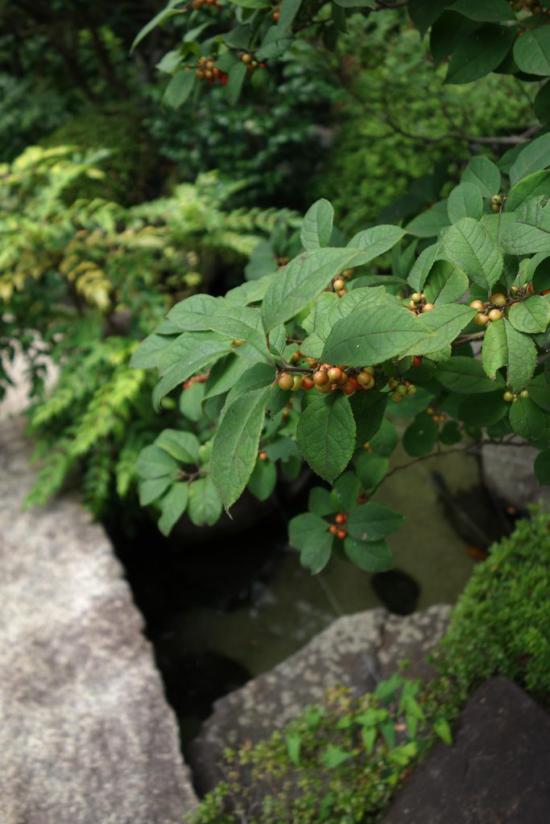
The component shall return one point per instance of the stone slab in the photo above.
(496, 772)
(86, 735)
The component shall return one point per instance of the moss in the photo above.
(342, 762)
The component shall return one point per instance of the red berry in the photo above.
(341, 518)
(341, 534)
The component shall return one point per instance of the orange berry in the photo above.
(263, 456)
(335, 374)
(285, 381)
(341, 534)
(334, 529)
(320, 378)
(341, 518)
(428, 307)
(307, 383)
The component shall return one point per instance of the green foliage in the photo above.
(501, 624)
(339, 762)
(400, 124)
(323, 342)
(82, 280)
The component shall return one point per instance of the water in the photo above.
(223, 611)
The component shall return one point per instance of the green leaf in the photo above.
(371, 556)
(235, 80)
(483, 173)
(529, 421)
(469, 246)
(183, 446)
(187, 355)
(532, 51)
(439, 327)
(326, 435)
(376, 241)
(173, 505)
(445, 284)
(179, 88)
(321, 502)
(190, 402)
(235, 447)
(425, 12)
(288, 11)
(431, 222)
(368, 410)
(465, 376)
(541, 104)
(317, 225)
(531, 315)
(534, 185)
(533, 157)
(301, 281)
(521, 356)
(542, 467)
(150, 490)
(263, 479)
(464, 201)
(420, 436)
(423, 266)
(372, 335)
(346, 490)
(149, 352)
(205, 506)
(539, 392)
(443, 731)
(293, 743)
(371, 469)
(372, 521)
(480, 54)
(529, 233)
(334, 756)
(194, 314)
(490, 11)
(309, 534)
(159, 18)
(154, 463)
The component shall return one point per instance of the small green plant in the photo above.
(338, 762)
(341, 761)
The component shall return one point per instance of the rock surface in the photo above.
(508, 472)
(496, 772)
(356, 651)
(86, 736)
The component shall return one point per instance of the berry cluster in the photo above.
(337, 528)
(511, 397)
(400, 389)
(438, 417)
(251, 63)
(491, 310)
(339, 282)
(327, 378)
(419, 304)
(207, 70)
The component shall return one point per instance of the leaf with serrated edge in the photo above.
(235, 446)
(371, 556)
(326, 435)
(505, 346)
(531, 315)
(372, 521)
(173, 505)
(317, 225)
(469, 246)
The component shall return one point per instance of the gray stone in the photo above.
(86, 736)
(496, 772)
(508, 473)
(355, 651)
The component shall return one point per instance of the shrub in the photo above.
(501, 623)
(81, 282)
